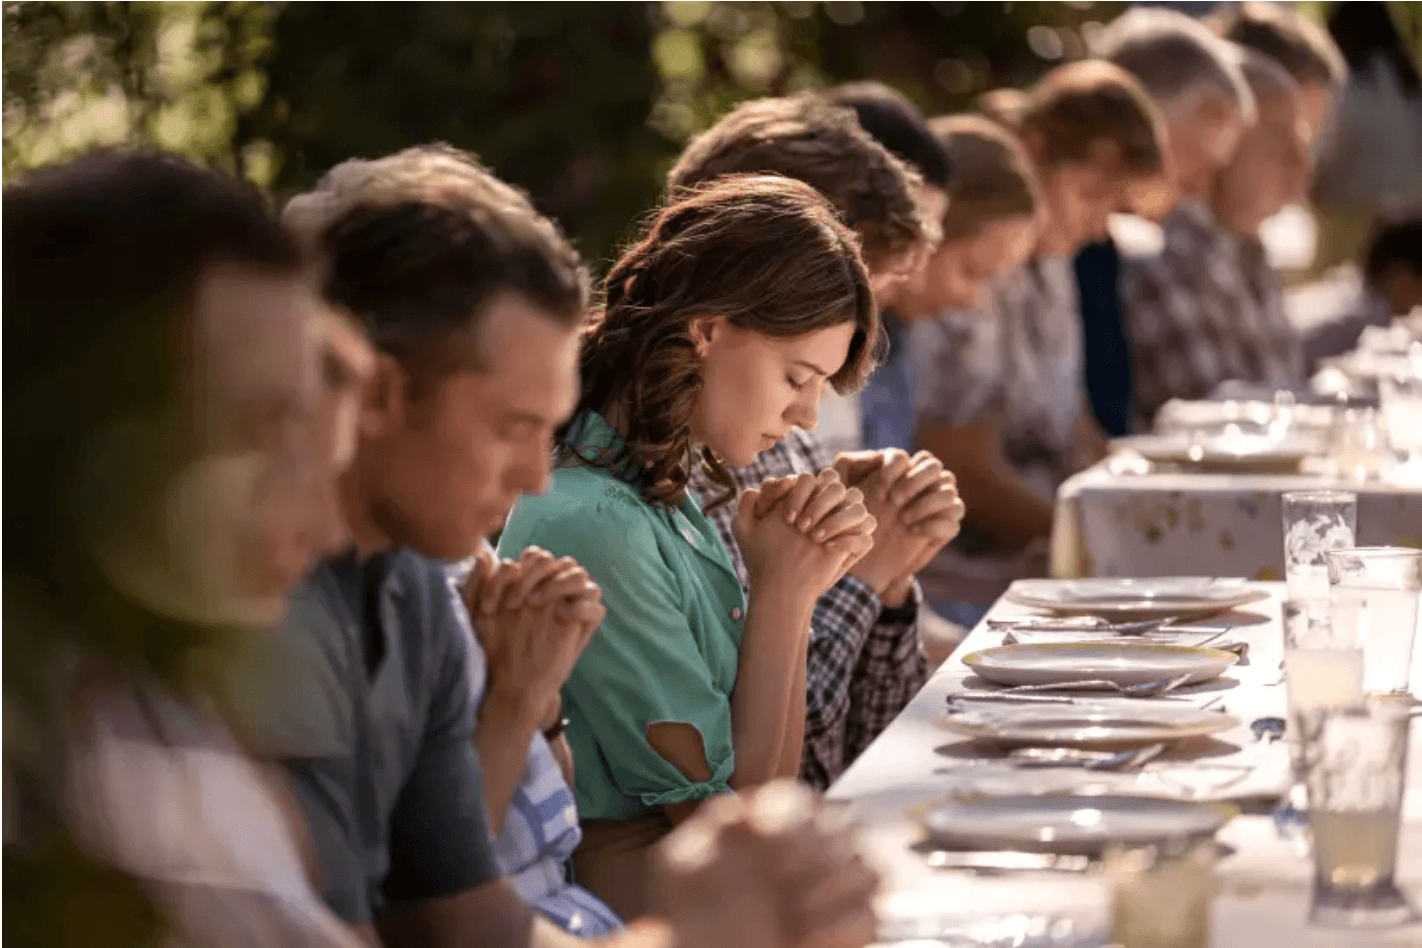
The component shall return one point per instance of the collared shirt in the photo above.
(540, 829)
(1016, 362)
(369, 710)
(865, 663)
(669, 648)
(1207, 309)
(886, 401)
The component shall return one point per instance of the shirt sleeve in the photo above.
(644, 666)
(439, 831)
(295, 708)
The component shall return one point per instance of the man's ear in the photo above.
(385, 398)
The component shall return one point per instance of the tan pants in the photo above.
(614, 861)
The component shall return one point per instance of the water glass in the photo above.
(1359, 445)
(1401, 397)
(1374, 593)
(1355, 766)
(1315, 521)
(1161, 894)
(1323, 668)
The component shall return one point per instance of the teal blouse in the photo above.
(668, 650)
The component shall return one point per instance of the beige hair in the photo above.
(1267, 78)
(1174, 57)
(1300, 45)
(992, 175)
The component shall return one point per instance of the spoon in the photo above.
(1146, 689)
(1131, 759)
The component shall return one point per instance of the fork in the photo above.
(1147, 689)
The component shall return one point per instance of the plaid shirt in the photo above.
(865, 662)
(1207, 309)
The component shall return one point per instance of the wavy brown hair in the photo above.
(822, 145)
(769, 254)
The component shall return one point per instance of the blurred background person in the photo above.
(1302, 46)
(866, 655)
(1209, 308)
(174, 418)
(1001, 400)
(1193, 79)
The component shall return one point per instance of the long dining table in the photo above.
(1264, 871)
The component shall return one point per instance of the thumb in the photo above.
(746, 513)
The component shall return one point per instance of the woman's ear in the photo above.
(703, 331)
(384, 398)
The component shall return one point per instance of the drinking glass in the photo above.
(1323, 668)
(1374, 592)
(1359, 445)
(1315, 521)
(1355, 762)
(1402, 413)
(1161, 894)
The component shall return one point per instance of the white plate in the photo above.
(1101, 725)
(1224, 453)
(1123, 600)
(1066, 823)
(1123, 663)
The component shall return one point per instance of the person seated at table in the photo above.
(1188, 72)
(1300, 45)
(515, 656)
(884, 408)
(1209, 308)
(177, 392)
(867, 649)
(999, 396)
(474, 302)
(724, 322)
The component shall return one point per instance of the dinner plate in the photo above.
(1123, 600)
(1225, 453)
(1122, 663)
(1071, 824)
(1093, 725)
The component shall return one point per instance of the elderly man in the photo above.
(1209, 308)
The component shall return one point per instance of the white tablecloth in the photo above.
(1265, 881)
(1188, 524)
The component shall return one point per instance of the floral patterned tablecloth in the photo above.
(1189, 524)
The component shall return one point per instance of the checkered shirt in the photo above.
(1207, 309)
(864, 663)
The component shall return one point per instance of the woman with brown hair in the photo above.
(1000, 399)
(724, 324)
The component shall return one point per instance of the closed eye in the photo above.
(794, 385)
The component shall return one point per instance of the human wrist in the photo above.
(510, 708)
(773, 605)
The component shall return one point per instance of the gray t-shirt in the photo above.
(368, 707)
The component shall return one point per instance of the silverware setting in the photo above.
(1125, 760)
(1146, 689)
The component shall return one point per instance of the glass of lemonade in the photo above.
(1355, 762)
(1161, 893)
(1323, 666)
(1374, 594)
(1315, 521)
